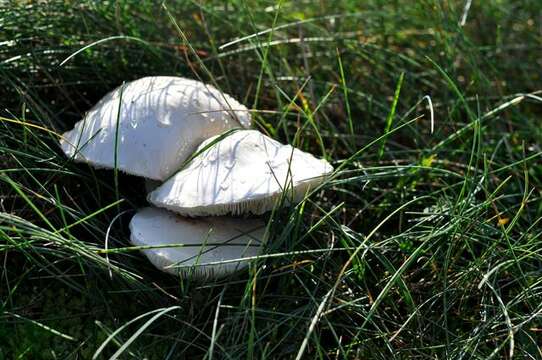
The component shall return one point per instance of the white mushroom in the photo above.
(246, 172)
(161, 121)
(204, 241)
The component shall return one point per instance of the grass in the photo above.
(424, 244)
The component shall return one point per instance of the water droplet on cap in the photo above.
(164, 122)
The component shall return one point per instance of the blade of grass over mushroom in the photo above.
(200, 151)
(116, 148)
(265, 256)
(166, 246)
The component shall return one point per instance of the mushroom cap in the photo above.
(162, 119)
(246, 172)
(227, 238)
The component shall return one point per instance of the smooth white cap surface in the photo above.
(227, 238)
(246, 172)
(162, 120)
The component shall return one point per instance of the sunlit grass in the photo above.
(425, 242)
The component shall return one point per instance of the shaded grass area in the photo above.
(422, 245)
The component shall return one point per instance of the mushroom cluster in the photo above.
(208, 174)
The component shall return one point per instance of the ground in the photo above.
(425, 242)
